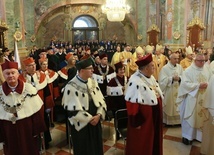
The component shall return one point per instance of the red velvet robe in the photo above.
(148, 140)
(18, 138)
(53, 87)
(21, 138)
(45, 94)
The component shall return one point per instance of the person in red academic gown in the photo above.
(144, 105)
(52, 81)
(20, 114)
(64, 72)
(39, 81)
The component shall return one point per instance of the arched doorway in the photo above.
(85, 27)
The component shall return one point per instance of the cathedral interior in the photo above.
(175, 24)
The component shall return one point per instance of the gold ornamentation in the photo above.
(101, 72)
(13, 109)
(176, 85)
(153, 27)
(175, 95)
(3, 25)
(85, 8)
(201, 78)
(201, 102)
(13, 119)
(82, 89)
(200, 114)
(153, 86)
(176, 35)
(33, 38)
(196, 21)
(139, 37)
(17, 35)
(155, 90)
(124, 84)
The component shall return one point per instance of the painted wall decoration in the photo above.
(171, 17)
(17, 35)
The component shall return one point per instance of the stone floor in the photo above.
(171, 142)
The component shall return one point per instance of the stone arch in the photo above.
(94, 10)
(88, 18)
(87, 30)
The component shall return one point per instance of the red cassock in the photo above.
(148, 139)
(40, 83)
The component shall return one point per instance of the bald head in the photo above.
(174, 58)
(173, 55)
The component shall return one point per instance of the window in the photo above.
(85, 28)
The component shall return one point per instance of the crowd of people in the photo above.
(155, 84)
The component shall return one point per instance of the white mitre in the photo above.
(158, 47)
(139, 50)
(189, 50)
(149, 49)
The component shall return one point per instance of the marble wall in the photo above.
(172, 18)
(55, 22)
(40, 20)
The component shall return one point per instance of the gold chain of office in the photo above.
(16, 107)
(101, 72)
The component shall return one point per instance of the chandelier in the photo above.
(115, 10)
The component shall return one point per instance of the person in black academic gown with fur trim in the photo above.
(86, 106)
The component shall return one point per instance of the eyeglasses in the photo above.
(89, 68)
